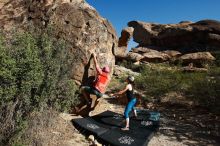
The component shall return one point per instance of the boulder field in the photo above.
(186, 42)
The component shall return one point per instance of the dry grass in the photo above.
(49, 129)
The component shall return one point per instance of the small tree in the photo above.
(34, 76)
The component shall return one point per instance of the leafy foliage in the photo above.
(158, 82)
(34, 76)
(207, 90)
(200, 87)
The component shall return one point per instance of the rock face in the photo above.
(197, 58)
(145, 55)
(150, 55)
(172, 53)
(134, 56)
(120, 70)
(186, 42)
(126, 35)
(74, 21)
(155, 56)
(184, 37)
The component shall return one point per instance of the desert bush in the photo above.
(34, 76)
(46, 128)
(206, 91)
(156, 83)
(203, 88)
(217, 57)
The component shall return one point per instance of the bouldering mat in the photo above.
(90, 125)
(117, 137)
(110, 119)
(107, 127)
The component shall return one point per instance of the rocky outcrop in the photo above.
(74, 21)
(155, 56)
(142, 55)
(149, 55)
(197, 58)
(134, 56)
(185, 37)
(186, 42)
(126, 35)
(120, 70)
(172, 53)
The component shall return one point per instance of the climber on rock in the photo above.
(99, 85)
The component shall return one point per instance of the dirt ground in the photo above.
(179, 125)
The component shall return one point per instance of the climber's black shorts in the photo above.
(92, 90)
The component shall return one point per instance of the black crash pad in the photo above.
(108, 128)
(117, 137)
(110, 119)
(140, 133)
(90, 125)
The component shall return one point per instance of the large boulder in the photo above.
(142, 50)
(120, 70)
(172, 53)
(155, 56)
(197, 58)
(134, 56)
(126, 35)
(144, 54)
(74, 21)
(184, 37)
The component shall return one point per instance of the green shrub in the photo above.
(206, 90)
(156, 83)
(200, 87)
(18, 145)
(34, 76)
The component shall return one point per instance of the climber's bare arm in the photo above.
(98, 69)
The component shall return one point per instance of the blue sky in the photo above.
(120, 12)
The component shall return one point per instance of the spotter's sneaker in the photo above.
(91, 113)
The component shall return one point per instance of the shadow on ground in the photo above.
(190, 126)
